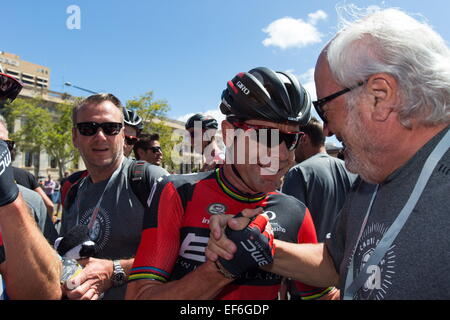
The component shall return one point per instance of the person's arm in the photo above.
(94, 279)
(47, 201)
(153, 264)
(308, 263)
(205, 282)
(32, 268)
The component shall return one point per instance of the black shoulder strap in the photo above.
(71, 195)
(138, 181)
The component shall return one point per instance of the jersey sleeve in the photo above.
(307, 234)
(160, 239)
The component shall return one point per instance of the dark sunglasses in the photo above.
(291, 139)
(155, 149)
(318, 105)
(131, 140)
(9, 87)
(10, 144)
(91, 128)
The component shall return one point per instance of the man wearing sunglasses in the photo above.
(384, 90)
(149, 149)
(104, 200)
(29, 267)
(259, 104)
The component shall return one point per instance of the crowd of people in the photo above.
(272, 216)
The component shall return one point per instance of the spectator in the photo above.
(319, 180)
(133, 128)
(384, 89)
(49, 188)
(104, 199)
(32, 198)
(28, 180)
(202, 131)
(149, 149)
(29, 268)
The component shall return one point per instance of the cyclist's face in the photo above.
(264, 166)
(100, 150)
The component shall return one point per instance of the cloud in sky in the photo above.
(289, 32)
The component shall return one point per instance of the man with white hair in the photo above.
(383, 84)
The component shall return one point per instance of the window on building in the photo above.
(52, 161)
(28, 159)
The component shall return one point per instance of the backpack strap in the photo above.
(139, 182)
(71, 195)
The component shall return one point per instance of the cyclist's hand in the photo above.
(219, 244)
(254, 246)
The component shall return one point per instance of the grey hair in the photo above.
(390, 41)
(97, 99)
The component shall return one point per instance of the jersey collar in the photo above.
(233, 192)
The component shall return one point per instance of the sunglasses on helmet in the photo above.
(9, 87)
(91, 128)
(291, 139)
(131, 140)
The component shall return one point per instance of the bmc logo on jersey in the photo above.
(217, 208)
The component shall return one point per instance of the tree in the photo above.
(154, 114)
(44, 126)
(58, 142)
(34, 122)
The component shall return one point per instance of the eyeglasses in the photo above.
(155, 149)
(91, 128)
(131, 140)
(9, 87)
(321, 102)
(291, 139)
(10, 144)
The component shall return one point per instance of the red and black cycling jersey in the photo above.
(176, 232)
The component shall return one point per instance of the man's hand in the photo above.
(92, 281)
(249, 247)
(8, 188)
(219, 244)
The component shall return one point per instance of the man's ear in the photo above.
(383, 88)
(226, 127)
(74, 137)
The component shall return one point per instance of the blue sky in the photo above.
(185, 51)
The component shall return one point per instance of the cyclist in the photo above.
(202, 131)
(176, 232)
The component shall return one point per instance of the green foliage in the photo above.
(153, 114)
(43, 126)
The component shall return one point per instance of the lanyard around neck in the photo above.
(352, 285)
(97, 206)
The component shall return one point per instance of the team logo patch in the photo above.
(217, 208)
